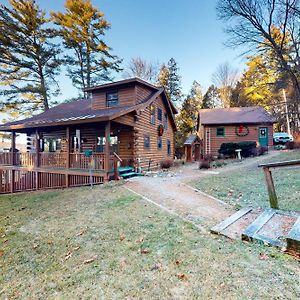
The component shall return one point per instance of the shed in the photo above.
(192, 147)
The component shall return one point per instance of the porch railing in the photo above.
(80, 161)
(54, 160)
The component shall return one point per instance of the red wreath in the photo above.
(160, 130)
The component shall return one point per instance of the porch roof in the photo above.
(74, 112)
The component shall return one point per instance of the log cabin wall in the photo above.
(212, 142)
(126, 97)
(143, 127)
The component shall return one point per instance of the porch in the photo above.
(65, 157)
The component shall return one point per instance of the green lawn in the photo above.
(106, 243)
(246, 186)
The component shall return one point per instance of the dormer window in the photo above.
(112, 99)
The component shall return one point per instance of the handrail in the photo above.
(279, 164)
(269, 179)
(117, 157)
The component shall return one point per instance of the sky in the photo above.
(157, 30)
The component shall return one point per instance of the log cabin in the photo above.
(236, 124)
(127, 126)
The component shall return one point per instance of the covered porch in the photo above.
(63, 156)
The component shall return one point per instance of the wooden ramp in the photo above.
(270, 226)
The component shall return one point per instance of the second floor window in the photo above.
(152, 114)
(165, 120)
(159, 114)
(112, 99)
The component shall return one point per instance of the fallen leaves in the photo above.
(1, 252)
(35, 246)
(145, 251)
(81, 232)
(182, 276)
(68, 255)
(177, 262)
(263, 256)
(88, 261)
(122, 237)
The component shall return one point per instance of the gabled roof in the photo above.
(190, 140)
(235, 115)
(81, 111)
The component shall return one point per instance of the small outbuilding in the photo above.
(235, 124)
(192, 148)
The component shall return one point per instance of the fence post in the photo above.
(271, 188)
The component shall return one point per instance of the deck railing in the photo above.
(51, 160)
(80, 161)
(5, 158)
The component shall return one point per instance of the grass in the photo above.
(246, 186)
(107, 243)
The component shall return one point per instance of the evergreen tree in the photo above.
(211, 98)
(28, 58)
(188, 114)
(82, 27)
(171, 81)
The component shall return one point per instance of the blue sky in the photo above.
(157, 30)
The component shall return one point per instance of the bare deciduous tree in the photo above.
(225, 78)
(253, 22)
(143, 69)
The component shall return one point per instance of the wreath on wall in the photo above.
(160, 130)
(242, 130)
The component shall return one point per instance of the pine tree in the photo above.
(82, 27)
(171, 81)
(211, 98)
(188, 114)
(28, 58)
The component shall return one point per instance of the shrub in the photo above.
(204, 164)
(208, 157)
(247, 147)
(293, 145)
(166, 164)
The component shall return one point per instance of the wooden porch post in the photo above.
(107, 146)
(13, 148)
(37, 157)
(37, 149)
(13, 160)
(68, 154)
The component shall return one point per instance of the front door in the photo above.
(263, 136)
(197, 152)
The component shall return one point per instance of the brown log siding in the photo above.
(213, 144)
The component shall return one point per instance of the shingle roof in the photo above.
(80, 110)
(191, 139)
(235, 115)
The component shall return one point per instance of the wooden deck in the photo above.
(26, 172)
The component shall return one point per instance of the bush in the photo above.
(247, 147)
(166, 164)
(208, 157)
(292, 145)
(204, 164)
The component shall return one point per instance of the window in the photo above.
(220, 131)
(152, 114)
(146, 142)
(51, 145)
(169, 147)
(159, 143)
(165, 120)
(113, 143)
(159, 114)
(112, 99)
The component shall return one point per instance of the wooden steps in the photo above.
(127, 172)
(269, 226)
